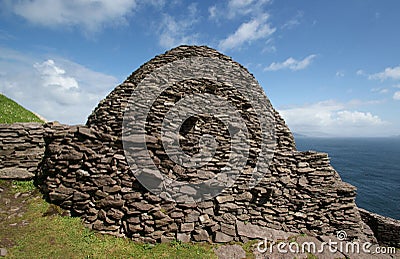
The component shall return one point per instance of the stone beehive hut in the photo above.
(85, 169)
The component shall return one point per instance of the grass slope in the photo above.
(11, 112)
(41, 232)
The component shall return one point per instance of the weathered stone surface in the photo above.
(16, 173)
(187, 227)
(257, 232)
(386, 230)
(223, 199)
(3, 252)
(230, 252)
(111, 202)
(184, 237)
(21, 150)
(222, 238)
(200, 235)
(204, 219)
(246, 196)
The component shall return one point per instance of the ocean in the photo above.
(370, 164)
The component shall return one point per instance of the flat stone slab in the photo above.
(230, 252)
(16, 174)
(257, 232)
(3, 252)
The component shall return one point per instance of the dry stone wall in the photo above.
(85, 169)
(386, 230)
(21, 150)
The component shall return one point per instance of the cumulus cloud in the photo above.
(176, 31)
(356, 118)
(388, 73)
(53, 76)
(396, 95)
(57, 89)
(330, 118)
(257, 28)
(91, 15)
(291, 64)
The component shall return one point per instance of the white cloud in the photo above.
(253, 18)
(339, 74)
(57, 89)
(212, 10)
(174, 31)
(91, 15)
(330, 118)
(159, 4)
(356, 118)
(380, 90)
(388, 73)
(291, 64)
(269, 46)
(358, 103)
(257, 28)
(244, 7)
(295, 21)
(233, 9)
(396, 95)
(360, 72)
(53, 76)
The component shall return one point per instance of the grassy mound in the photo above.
(11, 112)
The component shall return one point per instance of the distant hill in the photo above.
(11, 112)
(299, 135)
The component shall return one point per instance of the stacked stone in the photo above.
(85, 171)
(108, 115)
(21, 149)
(386, 230)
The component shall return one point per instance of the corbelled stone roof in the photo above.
(108, 115)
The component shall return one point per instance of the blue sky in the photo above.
(331, 68)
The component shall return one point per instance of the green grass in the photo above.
(23, 186)
(11, 112)
(66, 237)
